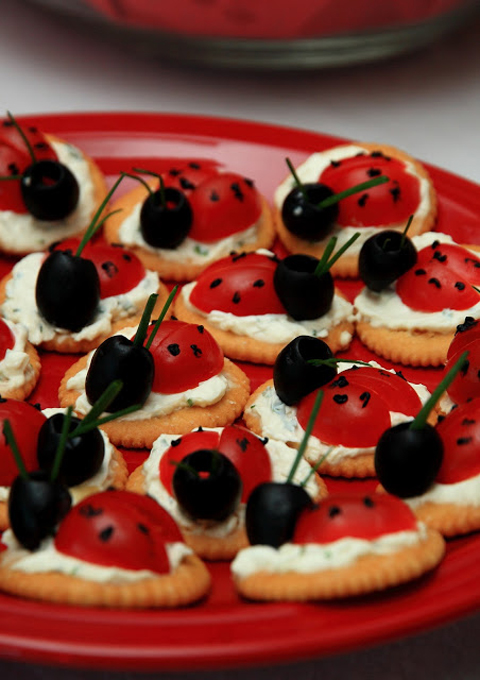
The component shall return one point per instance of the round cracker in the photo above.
(188, 583)
(347, 265)
(411, 348)
(367, 574)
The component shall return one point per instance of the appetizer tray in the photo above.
(224, 631)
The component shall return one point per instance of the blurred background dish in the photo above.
(270, 34)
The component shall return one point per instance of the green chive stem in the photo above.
(161, 188)
(296, 178)
(313, 470)
(64, 435)
(325, 263)
(306, 436)
(145, 320)
(83, 429)
(7, 177)
(404, 233)
(12, 443)
(421, 418)
(161, 317)
(333, 361)
(23, 136)
(103, 401)
(363, 186)
(92, 228)
(322, 266)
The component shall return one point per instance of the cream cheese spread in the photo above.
(15, 368)
(386, 309)
(312, 168)
(464, 493)
(48, 559)
(22, 232)
(20, 305)
(277, 328)
(281, 460)
(312, 557)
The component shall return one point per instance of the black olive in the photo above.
(207, 485)
(83, 455)
(304, 295)
(49, 190)
(166, 221)
(118, 358)
(67, 291)
(383, 258)
(272, 512)
(407, 460)
(302, 216)
(35, 506)
(293, 376)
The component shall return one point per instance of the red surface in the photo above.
(224, 631)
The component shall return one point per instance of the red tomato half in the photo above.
(184, 355)
(239, 284)
(387, 204)
(118, 531)
(223, 205)
(349, 415)
(460, 433)
(353, 516)
(26, 422)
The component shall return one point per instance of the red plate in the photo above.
(225, 631)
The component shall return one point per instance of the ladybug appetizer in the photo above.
(349, 544)
(209, 504)
(191, 216)
(413, 320)
(254, 304)
(359, 403)
(114, 549)
(192, 385)
(49, 189)
(73, 297)
(409, 191)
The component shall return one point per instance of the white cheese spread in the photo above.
(464, 493)
(15, 368)
(48, 559)
(312, 557)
